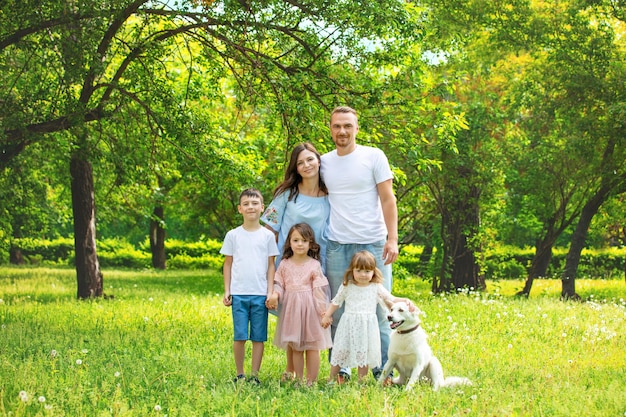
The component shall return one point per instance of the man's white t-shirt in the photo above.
(250, 252)
(356, 215)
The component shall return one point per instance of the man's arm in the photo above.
(390, 214)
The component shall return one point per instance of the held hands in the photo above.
(272, 302)
(327, 320)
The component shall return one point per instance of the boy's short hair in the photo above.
(251, 192)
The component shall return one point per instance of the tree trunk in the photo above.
(157, 238)
(540, 263)
(460, 220)
(15, 256)
(568, 279)
(465, 270)
(88, 273)
(424, 260)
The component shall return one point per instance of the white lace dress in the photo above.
(357, 338)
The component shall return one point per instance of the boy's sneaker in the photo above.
(254, 380)
(239, 378)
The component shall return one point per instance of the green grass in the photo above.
(163, 346)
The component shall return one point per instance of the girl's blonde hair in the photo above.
(363, 260)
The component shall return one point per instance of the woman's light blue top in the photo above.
(281, 214)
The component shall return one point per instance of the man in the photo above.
(363, 211)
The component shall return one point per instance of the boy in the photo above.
(249, 280)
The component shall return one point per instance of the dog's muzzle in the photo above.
(394, 324)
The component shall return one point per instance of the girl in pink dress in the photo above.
(303, 291)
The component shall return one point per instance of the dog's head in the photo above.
(400, 317)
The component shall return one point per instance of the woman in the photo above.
(301, 197)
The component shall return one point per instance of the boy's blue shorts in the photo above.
(250, 317)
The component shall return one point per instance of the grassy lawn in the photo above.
(162, 345)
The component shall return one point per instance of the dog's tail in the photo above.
(454, 381)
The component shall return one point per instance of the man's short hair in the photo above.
(343, 109)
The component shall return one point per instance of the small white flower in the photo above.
(564, 334)
(510, 346)
(53, 353)
(150, 299)
(117, 374)
(157, 407)
(146, 319)
(79, 362)
(85, 351)
(474, 397)
(23, 396)
(41, 399)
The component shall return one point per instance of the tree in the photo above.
(580, 66)
(69, 67)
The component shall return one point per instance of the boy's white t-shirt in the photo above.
(356, 215)
(250, 252)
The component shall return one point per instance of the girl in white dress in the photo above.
(357, 339)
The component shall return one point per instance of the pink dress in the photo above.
(304, 294)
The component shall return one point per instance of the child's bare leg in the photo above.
(363, 373)
(257, 356)
(239, 351)
(298, 363)
(289, 369)
(312, 366)
(334, 370)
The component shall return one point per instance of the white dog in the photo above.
(410, 353)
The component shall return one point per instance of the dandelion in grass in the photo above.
(157, 407)
(41, 399)
(79, 362)
(564, 334)
(23, 396)
(117, 374)
(146, 319)
(510, 346)
(53, 353)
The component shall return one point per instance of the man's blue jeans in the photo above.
(338, 257)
